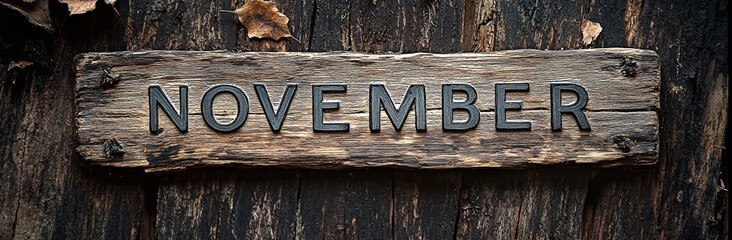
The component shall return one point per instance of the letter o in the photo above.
(207, 107)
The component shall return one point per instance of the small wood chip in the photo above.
(590, 31)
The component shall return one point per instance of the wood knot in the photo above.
(113, 148)
(628, 67)
(109, 79)
(623, 142)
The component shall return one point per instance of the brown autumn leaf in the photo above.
(36, 11)
(83, 6)
(262, 20)
(19, 65)
(590, 31)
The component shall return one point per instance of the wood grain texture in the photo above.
(262, 204)
(684, 196)
(521, 205)
(45, 192)
(424, 202)
(620, 106)
(352, 204)
(693, 51)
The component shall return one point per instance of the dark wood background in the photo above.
(46, 193)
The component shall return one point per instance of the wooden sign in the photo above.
(168, 110)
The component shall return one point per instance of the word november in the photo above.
(378, 98)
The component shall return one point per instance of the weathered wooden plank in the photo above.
(620, 106)
(649, 202)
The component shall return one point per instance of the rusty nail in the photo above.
(624, 142)
(629, 68)
(113, 148)
(109, 79)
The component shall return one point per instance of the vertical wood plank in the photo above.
(425, 204)
(44, 191)
(228, 204)
(346, 204)
(330, 26)
(522, 204)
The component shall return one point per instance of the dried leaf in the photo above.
(590, 31)
(19, 65)
(83, 6)
(262, 20)
(36, 11)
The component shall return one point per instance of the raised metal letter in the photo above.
(415, 95)
(575, 108)
(449, 105)
(319, 106)
(502, 105)
(275, 119)
(207, 107)
(158, 97)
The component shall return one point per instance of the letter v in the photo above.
(275, 119)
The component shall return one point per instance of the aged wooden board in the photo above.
(622, 87)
